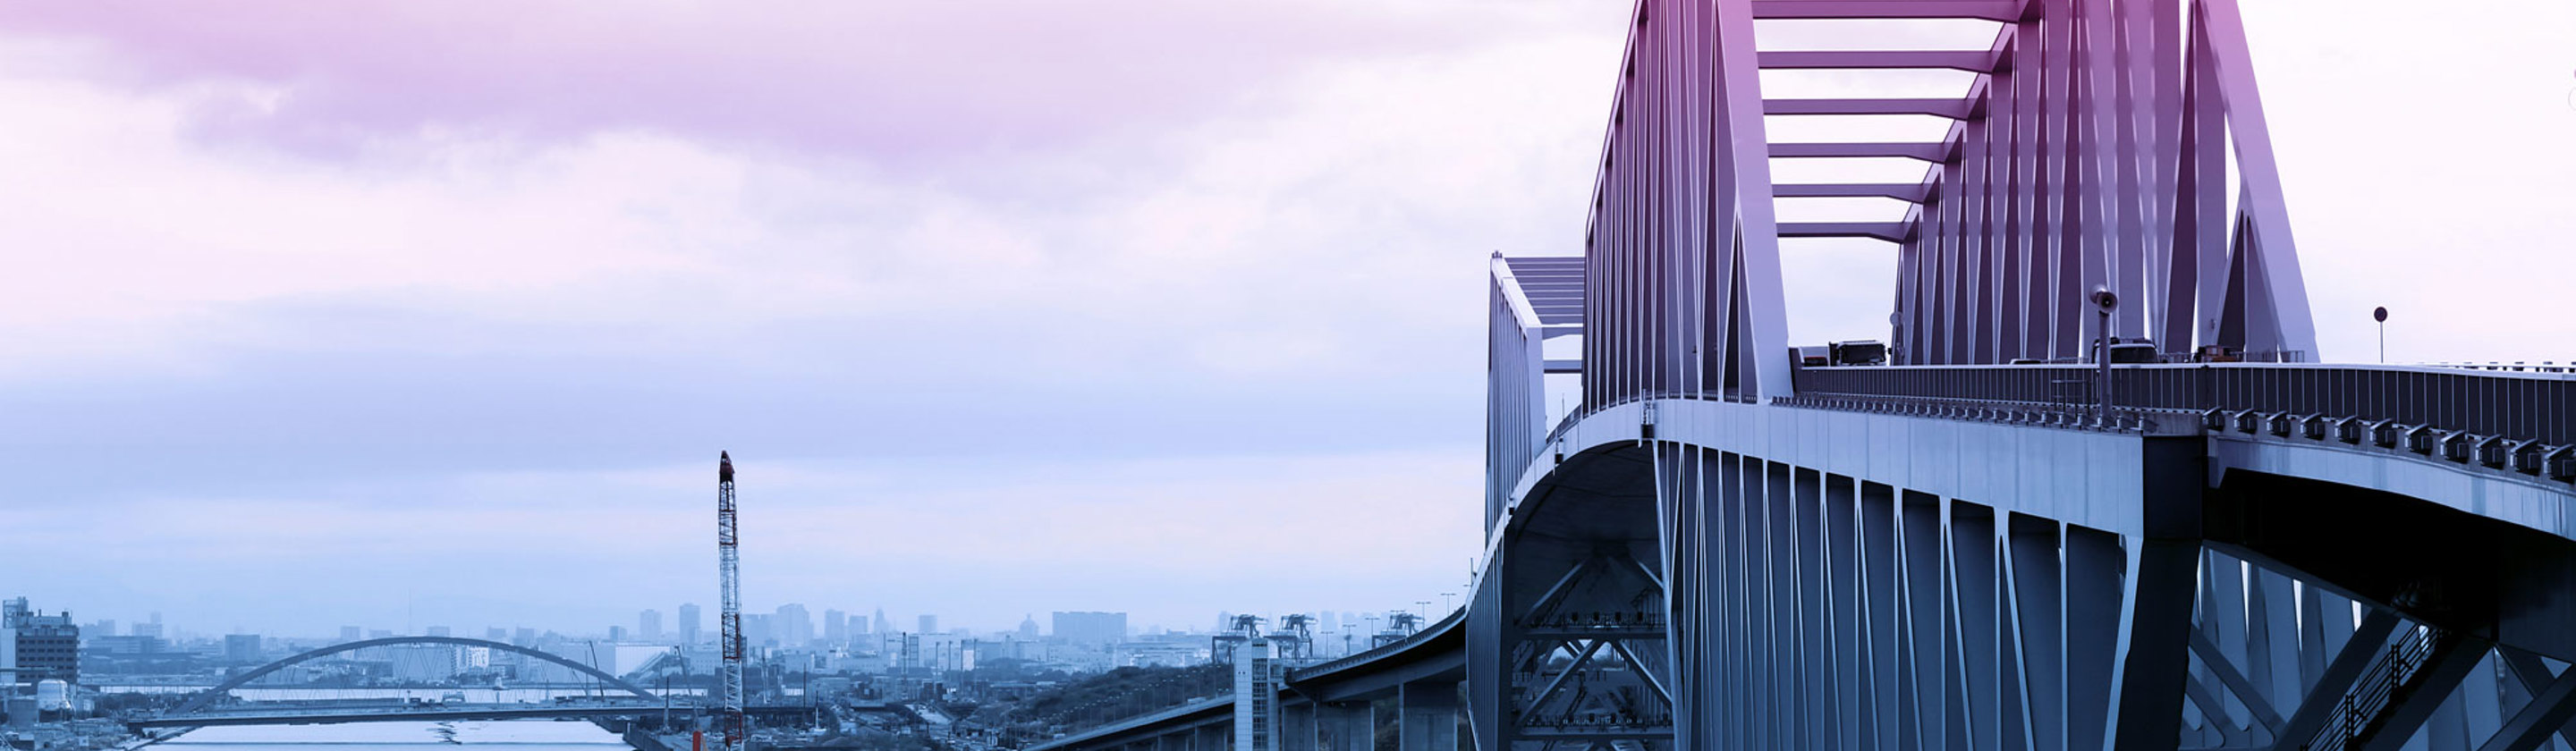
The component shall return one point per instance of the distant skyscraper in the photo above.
(688, 623)
(1091, 628)
(929, 624)
(524, 636)
(836, 627)
(883, 625)
(351, 633)
(103, 627)
(795, 627)
(617, 634)
(439, 631)
(496, 633)
(150, 628)
(1029, 627)
(756, 629)
(648, 625)
(242, 648)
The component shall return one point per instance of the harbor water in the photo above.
(517, 735)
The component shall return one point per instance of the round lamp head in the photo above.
(2102, 298)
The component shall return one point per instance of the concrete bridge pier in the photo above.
(1346, 726)
(1299, 728)
(1427, 716)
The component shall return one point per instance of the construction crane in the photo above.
(729, 576)
(1295, 637)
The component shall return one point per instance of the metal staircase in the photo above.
(2386, 683)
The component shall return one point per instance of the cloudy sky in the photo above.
(411, 313)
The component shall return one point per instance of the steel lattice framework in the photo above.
(1834, 560)
(1991, 543)
(2119, 145)
(223, 690)
(729, 622)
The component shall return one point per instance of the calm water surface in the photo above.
(516, 735)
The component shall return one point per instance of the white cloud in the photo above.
(1325, 247)
(1318, 240)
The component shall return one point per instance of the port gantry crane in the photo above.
(1296, 636)
(1242, 628)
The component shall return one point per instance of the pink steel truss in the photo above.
(2102, 143)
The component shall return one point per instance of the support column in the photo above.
(1347, 726)
(2551, 706)
(1297, 728)
(1427, 717)
(2427, 691)
(2159, 578)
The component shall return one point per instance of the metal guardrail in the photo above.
(2525, 404)
(1614, 720)
(1603, 619)
(1372, 654)
(2521, 420)
(1115, 727)
(1294, 674)
(2034, 414)
(2515, 417)
(2545, 366)
(2379, 685)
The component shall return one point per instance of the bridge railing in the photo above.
(2359, 711)
(2545, 366)
(1371, 654)
(2048, 415)
(2523, 405)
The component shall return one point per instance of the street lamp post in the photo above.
(2380, 314)
(2104, 302)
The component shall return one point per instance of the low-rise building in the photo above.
(48, 646)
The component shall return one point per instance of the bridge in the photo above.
(205, 708)
(680, 711)
(2101, 490)
(405, 713)
(1328, 700)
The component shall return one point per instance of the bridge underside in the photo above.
(1817, 599)
(1989, 538)
(1992, 546)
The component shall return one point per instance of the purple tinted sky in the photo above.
(334, 312)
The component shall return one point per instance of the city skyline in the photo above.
(1336, 620)
(1053, 337)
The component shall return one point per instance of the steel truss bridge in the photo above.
(413, 713)
(1995, 541)
(209, 708)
